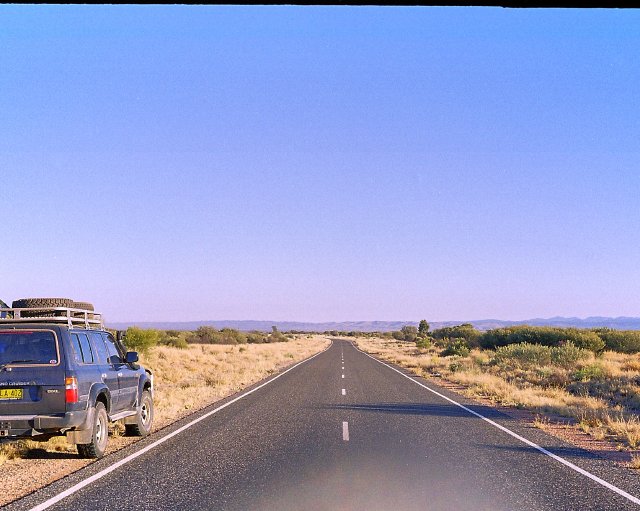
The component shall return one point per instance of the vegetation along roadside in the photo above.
(589, 380)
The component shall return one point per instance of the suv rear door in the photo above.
(86, 364)
(31, 372)
(109, 370)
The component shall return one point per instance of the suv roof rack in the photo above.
(63, 315)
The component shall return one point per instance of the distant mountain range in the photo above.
(622, 323)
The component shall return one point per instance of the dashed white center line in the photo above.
(345, 431)
(343, 375)
(344, 392)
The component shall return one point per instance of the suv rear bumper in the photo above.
(33, 425)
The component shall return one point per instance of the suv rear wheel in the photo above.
(99, 436)
(144, 417)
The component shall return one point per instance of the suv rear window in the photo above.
(33, 347)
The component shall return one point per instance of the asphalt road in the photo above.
(384, 443)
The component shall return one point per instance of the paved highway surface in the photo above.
(343, 431)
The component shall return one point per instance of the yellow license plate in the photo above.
(10, 393)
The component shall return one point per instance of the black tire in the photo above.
(99, 434)
(30, 303)
(144, 418)
(84, 306)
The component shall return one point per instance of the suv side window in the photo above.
(102, 357)
(87, 353)
(82, 348)
(77, 350)
(114, 355)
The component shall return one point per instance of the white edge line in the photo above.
(85, 482)
(595, 478)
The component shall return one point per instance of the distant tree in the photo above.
(423, 328)
(137, 339)
(409, 333)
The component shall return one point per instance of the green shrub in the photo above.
(545, 336)
(619, 391)
(523, 355)
(178, 342)
(624, 341)
(210, 335)
(568, 355)
(466, 331)
(256, 337)
(138, 339)
(406, 333)
(454, 367)
(527, 355)
(423, 342)
(456, 347)
(589, 373)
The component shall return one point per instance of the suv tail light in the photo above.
(71, 389)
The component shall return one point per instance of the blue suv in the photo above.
(63, 373)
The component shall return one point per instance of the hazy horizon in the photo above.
(321, 163)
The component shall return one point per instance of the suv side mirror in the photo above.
(131, 357)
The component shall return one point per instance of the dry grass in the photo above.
(542, 389)
(188, 379)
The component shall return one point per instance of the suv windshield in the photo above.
(22, 347)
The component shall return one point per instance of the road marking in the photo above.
(343, 375)
(591, 476)
(345, 431)
(344, 392)
(76, 487)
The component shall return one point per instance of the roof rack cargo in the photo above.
(64, 315)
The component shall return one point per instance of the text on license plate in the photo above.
(10, 393)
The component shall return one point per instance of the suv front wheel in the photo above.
(99, 436)
(144, 417)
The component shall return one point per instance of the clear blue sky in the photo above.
(298, 163)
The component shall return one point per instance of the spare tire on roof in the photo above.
(41, 303)
(85, 306)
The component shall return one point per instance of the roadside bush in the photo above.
(624, 341)
(590, 372)
(423, 342)
(568, 355)
(456, 347)
(276, 335)
(545, 336)
(621, 391)
(466, 331)
(406, 333)
(210, 335)
(138, 339)
(256, 337)
(178, 342)
(523, 355)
